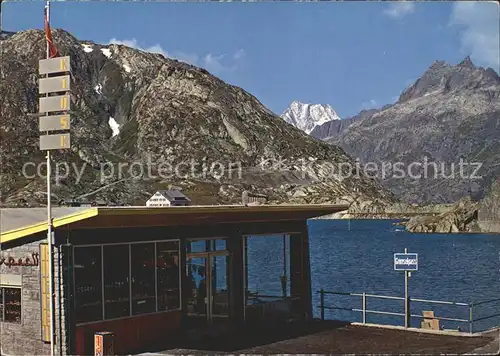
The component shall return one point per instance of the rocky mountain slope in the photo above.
(307, 117)
(465, 215)
(141, 122)
(489, 209)
(336, 127)
(450, 114)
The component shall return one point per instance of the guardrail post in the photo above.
(364, 308)
(322, 303)
(407, 312)
(470, 318)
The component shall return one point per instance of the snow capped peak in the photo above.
(307, 116)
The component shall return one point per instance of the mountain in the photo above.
(308, 116)
(141, 122)
(335, 127)
(490, 205)
(451, 113)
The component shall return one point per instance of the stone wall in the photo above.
(26, 338)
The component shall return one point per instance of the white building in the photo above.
(170, 197)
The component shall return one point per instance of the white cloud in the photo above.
(372, 104)
(399, 9)
(479, 37)
(239, 54)
(215, 63)
(134, 44)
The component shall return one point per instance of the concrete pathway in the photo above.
(493, 348)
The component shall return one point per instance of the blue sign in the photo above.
(406, 261)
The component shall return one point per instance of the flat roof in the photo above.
(17, 223)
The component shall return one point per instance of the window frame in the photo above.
(2, 317)
(131, 315)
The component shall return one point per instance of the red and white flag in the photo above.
(53, 52)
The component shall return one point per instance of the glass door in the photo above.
(219, 294)
(197, 274)
(208, 300)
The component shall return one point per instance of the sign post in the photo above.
(54, 125)
(406, 262)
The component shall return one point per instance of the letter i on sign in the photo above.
(64, 103)
(64, 122)
(63, 141)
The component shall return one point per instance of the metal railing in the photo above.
(364, 310)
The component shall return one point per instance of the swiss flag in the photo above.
(53, 52)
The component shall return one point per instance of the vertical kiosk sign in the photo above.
(54, 88)
(55, 104)
(406, 262)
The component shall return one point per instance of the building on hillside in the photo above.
(171, 197)
(248, 198)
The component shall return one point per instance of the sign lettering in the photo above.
(54, 122)
(11, 261)
(406, 261)
(55, 142)
(65, 122)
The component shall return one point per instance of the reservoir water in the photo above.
(357, 256)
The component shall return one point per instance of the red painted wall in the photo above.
(131, 334)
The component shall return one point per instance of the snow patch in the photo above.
(115, 127)
(307, 116)
(127, 68)
(87, 48)
(106, 52)
(98, 89)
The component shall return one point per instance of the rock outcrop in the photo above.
(489, 210)
(462, 217)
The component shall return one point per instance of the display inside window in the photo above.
(116, 281)
(11, 305)
(88, 284)
(168, 278)
(143, 278)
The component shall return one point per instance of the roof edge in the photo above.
(42, 226)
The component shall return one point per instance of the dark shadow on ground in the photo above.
(316, 337)
(228, 339)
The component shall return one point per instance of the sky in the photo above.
(350, 55)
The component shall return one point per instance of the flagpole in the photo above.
(49, 224)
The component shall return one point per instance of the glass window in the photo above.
(207, 245)
(11, 305)
(220, 245)
(88, 284)
(197, 246)
(168, 275)
(116, 281)
(270, 254)
(143, 278)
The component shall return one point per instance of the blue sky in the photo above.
(351, 55)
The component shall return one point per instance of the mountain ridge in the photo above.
(168, 113)
(450, 112)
